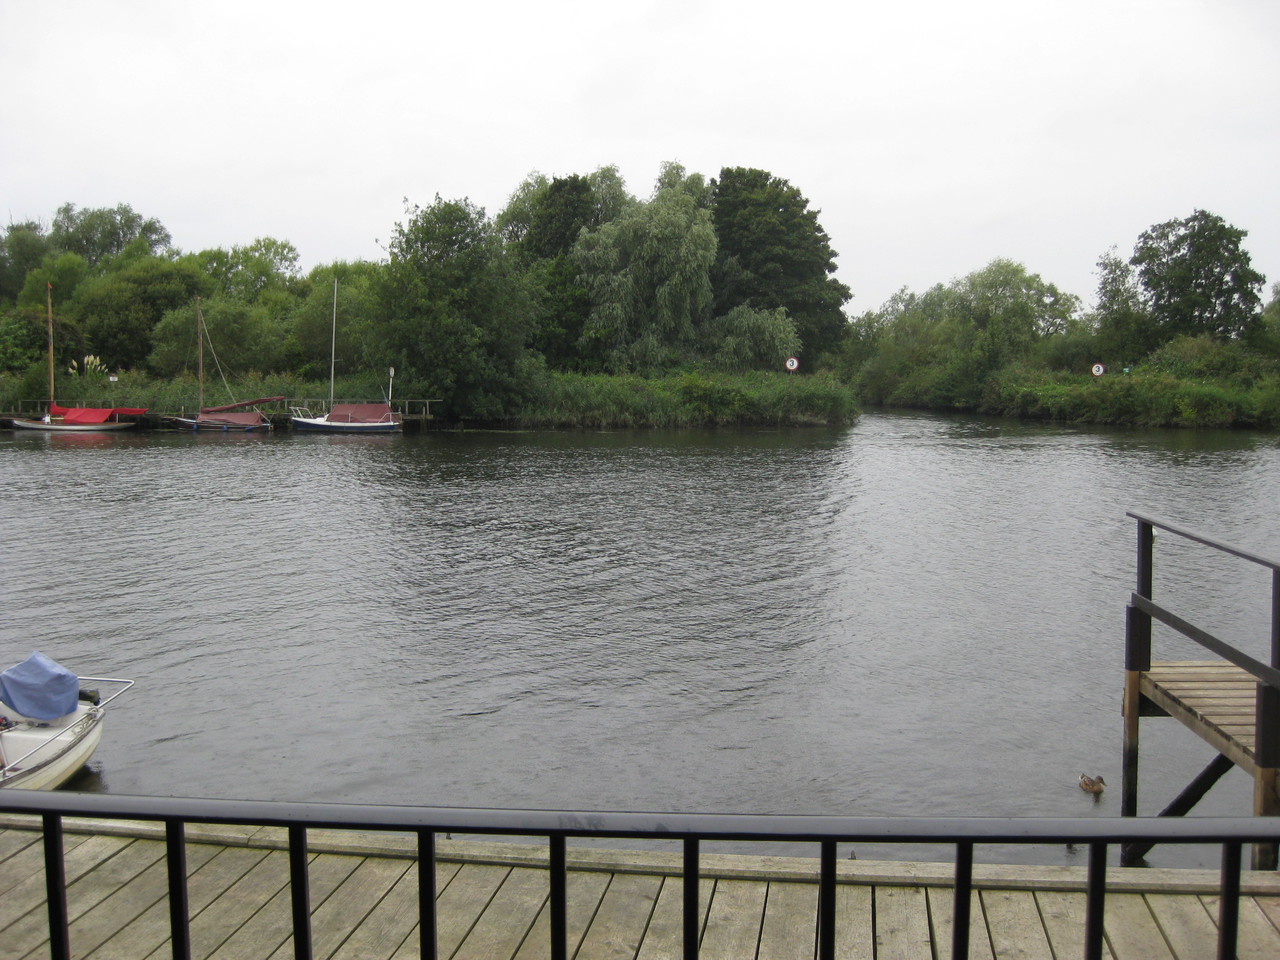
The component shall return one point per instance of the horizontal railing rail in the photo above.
(691, 829)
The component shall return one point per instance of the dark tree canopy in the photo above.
(774, 253)
(1197, 278)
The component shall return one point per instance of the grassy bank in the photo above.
(554, 401)
(689, 399)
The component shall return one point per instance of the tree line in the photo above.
(577, 291)
(575, 276)
(1178, 336)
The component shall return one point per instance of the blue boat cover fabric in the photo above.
(39, 688)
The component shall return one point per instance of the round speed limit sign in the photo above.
(793, 364)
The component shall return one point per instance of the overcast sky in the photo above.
(933, 135)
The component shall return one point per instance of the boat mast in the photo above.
(200, 353)
(333, 340)
(50, 298)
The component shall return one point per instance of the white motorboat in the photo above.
(40, 751)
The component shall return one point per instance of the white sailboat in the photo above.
(348, 417)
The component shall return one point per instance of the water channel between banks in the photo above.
(915, 615)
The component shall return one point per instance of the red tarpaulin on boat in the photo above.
(360, 413)
(244, 418)
(91, 414)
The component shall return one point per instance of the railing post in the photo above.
(1137, 658)
(963, 896)
(427, 948)
(175, 844)
(1095, 901)
(827, 902)
(55, 882)
(691, 913)
(1266, 800)
(1229, 901)
(300, 892)
(558, 867)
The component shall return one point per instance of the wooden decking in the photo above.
(492, 903)
(1214, 699)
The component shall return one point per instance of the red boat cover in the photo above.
(91, 414)
(361, 413)
(245, 418)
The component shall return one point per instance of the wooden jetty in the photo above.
(492, 902)
(1232, 703)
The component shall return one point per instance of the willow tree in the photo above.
(647, 273)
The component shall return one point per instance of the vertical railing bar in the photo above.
(961, 909)
(558, 864)
(1146, 563)
(427, 948)
(175, 848)
(1229, 900)
(827, 902)
(300, 892)
(55, 879)
(690, 905)
(1095, 901)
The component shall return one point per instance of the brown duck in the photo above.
(1093, 785)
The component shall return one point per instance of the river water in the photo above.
(917, 615)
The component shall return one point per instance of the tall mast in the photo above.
(50, 298)
(333, 340)
(200, 353)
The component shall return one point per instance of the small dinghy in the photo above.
(50, 722)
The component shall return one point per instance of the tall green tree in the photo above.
(456, 313)
(22, 248)
(774, 253)
(1125, 332)
(100, 233)
(1197, 278)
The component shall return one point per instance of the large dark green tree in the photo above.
(1197, 278)
(456, 312)
(774, 253)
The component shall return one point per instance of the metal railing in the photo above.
(559, 826)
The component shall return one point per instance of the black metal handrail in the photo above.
(689, 828)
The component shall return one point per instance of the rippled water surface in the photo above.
(917, 615)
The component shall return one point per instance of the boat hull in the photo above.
(39, 761)
(56, 427)
(214, 425)
(321, 425)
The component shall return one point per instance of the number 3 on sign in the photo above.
(793, 364)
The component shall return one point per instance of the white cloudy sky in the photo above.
(933, 135)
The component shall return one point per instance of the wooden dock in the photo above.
(492, 902)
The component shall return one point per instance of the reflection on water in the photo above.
(918, 615)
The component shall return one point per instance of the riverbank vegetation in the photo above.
(581, 305)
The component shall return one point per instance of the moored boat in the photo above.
(80, 419)
(50, 722)
(74, 419)
(349, 418)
